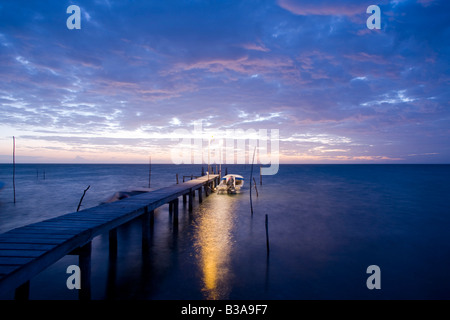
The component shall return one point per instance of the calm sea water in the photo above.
(327, 224)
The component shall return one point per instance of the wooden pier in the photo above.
(28, 250)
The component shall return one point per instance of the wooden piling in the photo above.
(175, 212)
(14, 168)
(254, 182)
(260, 176)
(84, 258)
(145, 220)
(267, 233)
(191, 199)
(251, 175)
(82, 197)
(152, 219)
(113, 243)
(23, 291)
(149, 170)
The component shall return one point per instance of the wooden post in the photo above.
(152, 219)
(260, 176)
(175, 212)
(84, 193)
(149, 170)
(84, 259)
(191, 199)
(23, 291)
(200, 199)
(14, 168)
(254, 181)
(113, 243)
(177, 178)
(145, 230)
(251, 175)
(267, 233)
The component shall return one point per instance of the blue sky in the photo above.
(117, 89)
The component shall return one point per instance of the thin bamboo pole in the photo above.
(14, 167)
(251, 176)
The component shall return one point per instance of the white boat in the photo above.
(231, 183)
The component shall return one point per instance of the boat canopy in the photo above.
(235, 177)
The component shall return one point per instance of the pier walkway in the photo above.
(28, 250)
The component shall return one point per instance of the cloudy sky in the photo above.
(137, 72)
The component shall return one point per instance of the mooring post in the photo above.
(177, 178)
(14, 168)
(254, 181)
(251, 175)
(84, 260)
(260, 176)
(149, 170)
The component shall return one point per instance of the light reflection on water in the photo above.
(213, 242)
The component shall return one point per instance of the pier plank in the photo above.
(20, 253)
(26, 246)
(14, 260)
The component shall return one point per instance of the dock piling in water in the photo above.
(14, 168)
(251, 175)
(113, 243)
(267, 233)
(84, 258)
